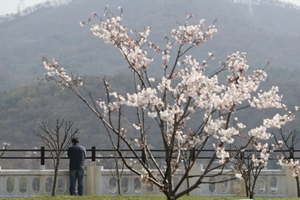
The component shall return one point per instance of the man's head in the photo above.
(75, 140)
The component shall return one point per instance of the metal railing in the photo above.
(98, 180)
(92, 154)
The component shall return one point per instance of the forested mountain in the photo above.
(24, 108)
(270, 34)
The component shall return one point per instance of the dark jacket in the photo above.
(77, 154)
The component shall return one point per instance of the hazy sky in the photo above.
(10, 6)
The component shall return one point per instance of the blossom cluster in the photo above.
(65, 80)
(267, 99)
(113, 32)
(221, 153)
(193, 34)
(264, 155)
(291, 164)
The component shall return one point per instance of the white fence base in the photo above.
(20, 183)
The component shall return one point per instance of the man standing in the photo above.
(77, 154)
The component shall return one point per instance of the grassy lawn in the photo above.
(124, 197)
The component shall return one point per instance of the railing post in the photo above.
(93, 153)
(192, 154)
(242, 156)
(292, 153)
(42, 156)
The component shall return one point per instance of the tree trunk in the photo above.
(251, 196)
(247, 188)
(252, 188)
(170, 197)
(187, 180)
(55, 177)
(118, 179)
(188, 186)
(297, 185)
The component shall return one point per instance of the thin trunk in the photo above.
(118, 179)
(251, 196)
(118, 175)
(187, 180)
(247, 188)
(55, 177)
(119, 187)
(188, 186)
(297, 185)
(171, 197)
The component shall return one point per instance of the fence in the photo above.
(20, 182)
(92, 154)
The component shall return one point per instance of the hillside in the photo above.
(24, 108)
(271, 34)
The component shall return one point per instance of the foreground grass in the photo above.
(124, 197)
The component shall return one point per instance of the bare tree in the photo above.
(116, 169)
(184, 90)
(57, 139)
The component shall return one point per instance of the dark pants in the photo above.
(76, 174)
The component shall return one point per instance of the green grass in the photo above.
(124, 197)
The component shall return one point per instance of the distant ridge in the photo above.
(56, 3)
(269, 2)
(27, 11)
(271, 34)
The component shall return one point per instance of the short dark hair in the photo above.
(75, 140)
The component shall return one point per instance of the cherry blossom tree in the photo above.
(184, 90)
(249, 164)
(287, 143)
